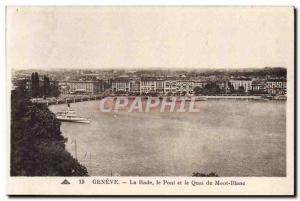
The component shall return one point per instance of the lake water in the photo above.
(228, 137)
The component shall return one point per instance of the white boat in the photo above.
(71, 116)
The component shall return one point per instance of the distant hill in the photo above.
(247, 72)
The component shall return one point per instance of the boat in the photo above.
(71, 116)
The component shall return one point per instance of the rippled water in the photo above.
(228, 137)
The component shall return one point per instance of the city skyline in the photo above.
(267, 80)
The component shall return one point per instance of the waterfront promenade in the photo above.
(82, 98)
(69, 99)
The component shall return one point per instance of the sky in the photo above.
(148, 37)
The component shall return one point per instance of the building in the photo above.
(258, 87)
(63, 87)
(170, 86)
(28, 84)
(160, 86)
(198, 83)
(148, 85)
(134, 85)
(184, 86)
(91, 87)
(276, 86)
(241, 83)
(120, 84)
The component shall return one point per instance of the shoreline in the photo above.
(208, 97)
(214, 97)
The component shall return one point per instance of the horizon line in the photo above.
(151, 68)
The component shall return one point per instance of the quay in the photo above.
(82, 98)
(66, 100)
(232, 97)
(247, 97)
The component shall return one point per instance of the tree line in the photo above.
(37, 144)
(214, 89)
(44, 88)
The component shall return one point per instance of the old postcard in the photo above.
(150, 100)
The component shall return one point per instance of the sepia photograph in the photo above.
(154, 92)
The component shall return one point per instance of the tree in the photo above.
(211, 89)
(37, 145)
(241, 90)
(197, 90)
(32, 85)
(46, 87)
(46, 90)
(54, 90)
(35, 84)
(33, 92)
(230, 87)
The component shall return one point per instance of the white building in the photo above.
(134, 85)
(184, 86)
(160, 85)
(246, 83)
(92, 87)
(199, 84)
(170, 86)
(258, 86)
(148, 85)
(120, 84)
(276, 86)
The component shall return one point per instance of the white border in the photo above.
(3, 3)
